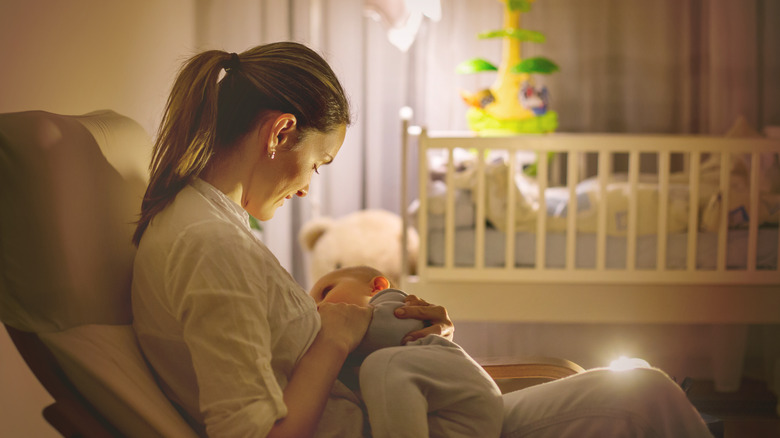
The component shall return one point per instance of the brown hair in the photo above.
(205, 116)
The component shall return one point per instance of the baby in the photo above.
(427, 387)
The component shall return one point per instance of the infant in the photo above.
(427, 387)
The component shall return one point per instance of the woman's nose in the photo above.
(303, 192)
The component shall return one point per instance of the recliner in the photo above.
(71, 188)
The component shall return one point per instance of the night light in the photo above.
(624, 363)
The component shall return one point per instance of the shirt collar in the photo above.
(227, 205)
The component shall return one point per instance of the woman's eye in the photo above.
(316, 169)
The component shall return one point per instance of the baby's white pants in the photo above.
(429, 388)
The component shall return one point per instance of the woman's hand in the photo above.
(436, 320)
(306, 394)
(344, 324)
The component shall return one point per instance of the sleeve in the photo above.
(219, 295)
(385, 329)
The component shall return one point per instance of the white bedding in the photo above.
(617, 197)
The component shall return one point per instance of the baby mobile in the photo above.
(513, 104)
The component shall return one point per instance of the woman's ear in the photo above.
(282, 128)
(379, 283)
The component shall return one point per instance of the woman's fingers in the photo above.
(425, 312)
(436, 329)
(436, 318)
(413, 300)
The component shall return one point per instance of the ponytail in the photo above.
(185, 140)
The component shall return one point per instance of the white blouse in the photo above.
(219, 319)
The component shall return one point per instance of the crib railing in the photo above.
(606, 147)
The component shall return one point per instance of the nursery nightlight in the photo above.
(624, 363)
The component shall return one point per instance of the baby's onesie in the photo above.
(428, 387)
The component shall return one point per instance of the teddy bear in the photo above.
(365, 237)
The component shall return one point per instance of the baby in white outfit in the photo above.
(427, 387)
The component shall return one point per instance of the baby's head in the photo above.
(353, 285)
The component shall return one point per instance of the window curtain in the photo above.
(666, 66)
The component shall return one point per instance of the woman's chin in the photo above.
(262, 215)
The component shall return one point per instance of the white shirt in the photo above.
(219, 319)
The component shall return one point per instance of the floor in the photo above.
(750, 412)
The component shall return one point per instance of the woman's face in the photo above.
(289, 172)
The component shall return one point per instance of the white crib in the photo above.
(709, 266)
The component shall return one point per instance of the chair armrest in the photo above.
(71, 414)
(528, 367)
(515, 373)
(74, 420)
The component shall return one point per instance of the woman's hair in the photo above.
(205, 116)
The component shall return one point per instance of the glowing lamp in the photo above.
(624, 363)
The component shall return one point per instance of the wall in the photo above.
(77, 56)
(74, 57)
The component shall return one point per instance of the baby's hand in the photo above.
(344, 325)
(436, 320)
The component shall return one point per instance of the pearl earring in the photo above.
(272, 154)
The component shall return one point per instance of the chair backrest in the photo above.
(70, 190)
(70, 187)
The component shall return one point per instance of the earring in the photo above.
(272, 154)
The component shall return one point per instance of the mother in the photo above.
(236, 344)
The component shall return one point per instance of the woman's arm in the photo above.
(343, 326)
(436, 319)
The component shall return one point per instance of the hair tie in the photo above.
(234, 63)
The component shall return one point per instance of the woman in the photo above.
(236, 344)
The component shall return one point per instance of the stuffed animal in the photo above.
(365, 237)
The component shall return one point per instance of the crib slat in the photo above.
(633, 179)
(509, 242)
(663, 209)
(422, 212)
(755, 167)
(541, 217)
(693, 210)
(449, 209)
(404, 195)
(572, 166)
(479, 248)
(723, 228)
(604, 169)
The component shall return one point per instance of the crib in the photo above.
(595, 236)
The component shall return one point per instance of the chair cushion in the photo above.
(105, 363)
(71, 187)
